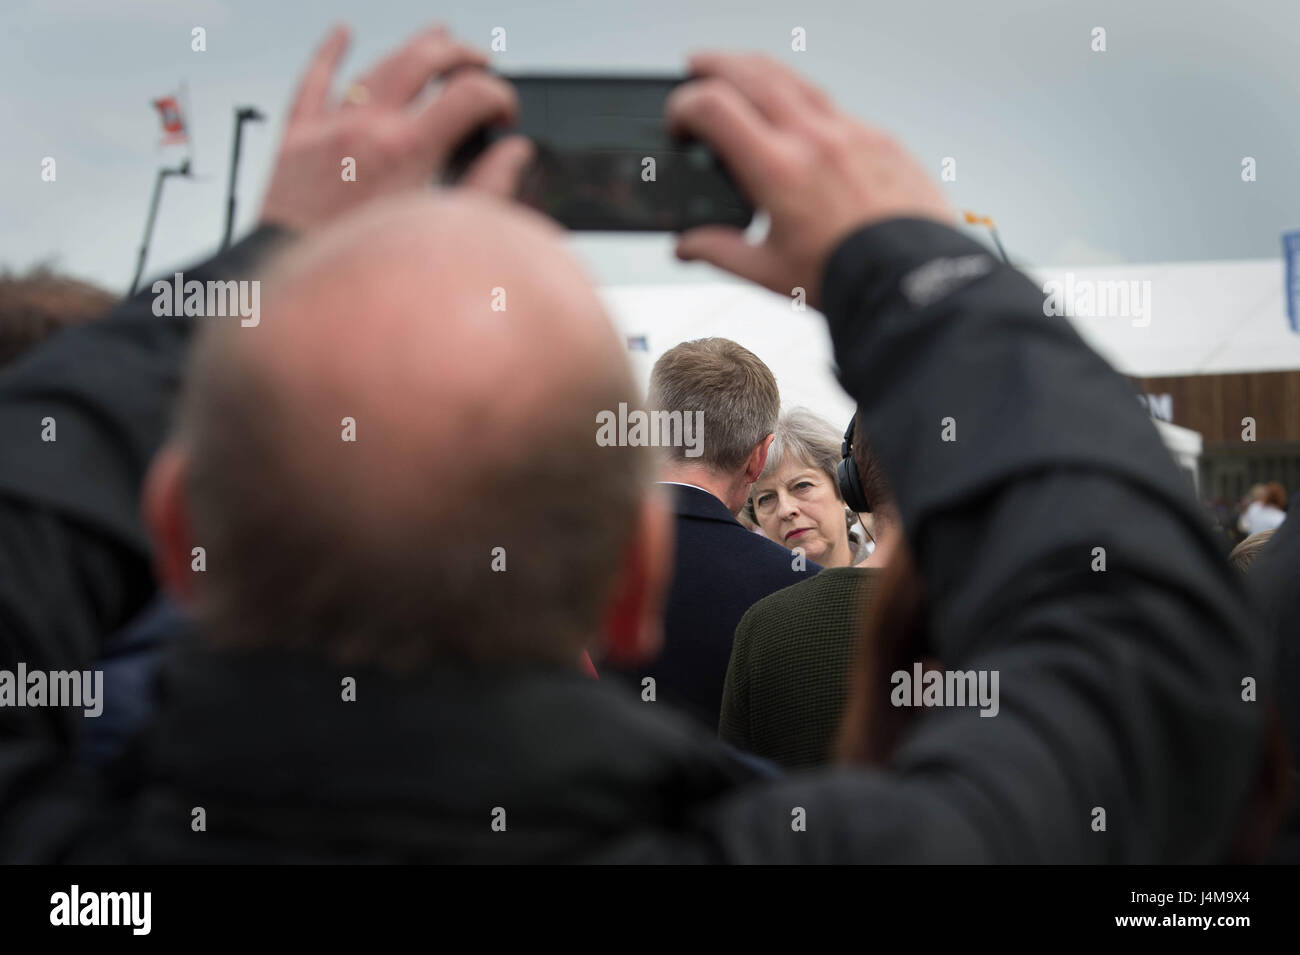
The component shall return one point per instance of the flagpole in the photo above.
(187, 113)
(242, 115)
(998, 242)
(163, 172)
(987, 221)
(174, 128)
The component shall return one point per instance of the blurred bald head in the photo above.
(399, 464)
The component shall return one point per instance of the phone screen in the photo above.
(605, 161)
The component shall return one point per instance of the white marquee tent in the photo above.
(1205, 318)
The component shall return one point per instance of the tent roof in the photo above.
(1205, 318)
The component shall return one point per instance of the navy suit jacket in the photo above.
(721, 569)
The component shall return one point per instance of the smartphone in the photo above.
(604, 159)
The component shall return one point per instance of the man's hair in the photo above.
(1245, 553)
(808, 438)
(38, 304)
(305, 558)
(731, 385)
(875, 485)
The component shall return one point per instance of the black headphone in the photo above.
(846, 474)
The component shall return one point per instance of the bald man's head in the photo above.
(399, 463)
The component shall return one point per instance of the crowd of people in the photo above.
(363, 586)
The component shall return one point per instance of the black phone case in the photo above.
(600, 186)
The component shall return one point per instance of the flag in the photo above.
(173, 120)
(1291, 252)
(987, 221)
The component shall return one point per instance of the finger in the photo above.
(727, 249)
(499, 168)
(400, 77)
(714, 111)
(471, 98)
(780, 92)
(314, 90)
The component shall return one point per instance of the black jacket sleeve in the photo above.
(81, 416)
(1021, 461)
(1276, 579)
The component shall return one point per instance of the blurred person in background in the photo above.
(33, 307)
(1265, 509)
(36, 305)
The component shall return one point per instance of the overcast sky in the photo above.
(1131, 155)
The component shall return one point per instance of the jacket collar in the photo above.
(416, 765)
(691, 501)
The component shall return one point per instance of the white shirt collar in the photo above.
(684, 484)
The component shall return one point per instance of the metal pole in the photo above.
(998, 240)
(242, 115)
(182, 170)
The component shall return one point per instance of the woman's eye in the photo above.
(802, 485)
(763, 500)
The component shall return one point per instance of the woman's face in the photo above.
(797, 506)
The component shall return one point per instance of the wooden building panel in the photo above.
(1215, 404)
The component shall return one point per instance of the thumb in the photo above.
(499, 168)
(726, 248)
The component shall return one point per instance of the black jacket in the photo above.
(1275, 577)
(1120, 689)
(74, 557)
(721, 569)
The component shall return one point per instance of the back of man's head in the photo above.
(392, 467)
(733, 388)
(36, 305)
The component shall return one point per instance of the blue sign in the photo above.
(1291, 252)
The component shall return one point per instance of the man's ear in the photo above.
(166, 516)
(633, 632)
(757, 459)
